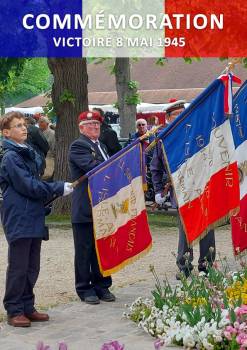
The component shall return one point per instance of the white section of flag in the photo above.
(193, 175)
(117, 210)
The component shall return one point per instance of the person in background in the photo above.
(141, 127)
(23, 218)
(37, 141)
(159, 172)
(44, 126)
(108, 136)
(36, 117)
(86, 153)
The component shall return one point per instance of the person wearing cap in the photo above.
(108, 136)
(86, 153)
(23, 218)
(49, 134)
(162, 185)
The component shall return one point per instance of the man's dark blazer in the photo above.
(84, 155)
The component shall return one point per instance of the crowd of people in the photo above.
(27, 189)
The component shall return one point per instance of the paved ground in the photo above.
(86, 327)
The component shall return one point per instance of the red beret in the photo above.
(173, 106)
(88, 116)
(172, 100)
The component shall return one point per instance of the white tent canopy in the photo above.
(31, 110)
(141, 108)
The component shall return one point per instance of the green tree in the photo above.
(10, 69)
(34, 79)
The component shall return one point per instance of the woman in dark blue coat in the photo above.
(23, 218)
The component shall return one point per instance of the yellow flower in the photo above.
(238, 290)
(195, 301)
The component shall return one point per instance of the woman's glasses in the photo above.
(19, 126)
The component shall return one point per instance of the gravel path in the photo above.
(56, 281)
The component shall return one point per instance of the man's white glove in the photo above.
(67, 188)
(159, 199)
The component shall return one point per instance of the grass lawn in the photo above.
(155, 219)
(160, 219)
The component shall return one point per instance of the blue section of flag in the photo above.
(190, 131)
(118, 172)
(239, 118)
(17, 41)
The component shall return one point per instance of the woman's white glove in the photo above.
(67, 188)
(159, 198)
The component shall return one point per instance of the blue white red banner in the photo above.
(239, 131)
(119, 213)
(113, 28)
(200, 154)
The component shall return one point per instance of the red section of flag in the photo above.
(227, 42)
(239, 228)
(214, 203)
(129, 241)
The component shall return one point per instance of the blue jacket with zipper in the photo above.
(24, 194)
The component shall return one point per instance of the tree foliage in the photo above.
(10, 69)
(34, 79)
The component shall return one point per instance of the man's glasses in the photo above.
(18, 126)
(141, 124)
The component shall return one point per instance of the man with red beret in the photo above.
(85, 154)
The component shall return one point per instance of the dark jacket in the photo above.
(38, 142)
(83, 157)
(24, 195)
(109, 138)
(160, 175)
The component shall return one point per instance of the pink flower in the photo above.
(62, 346)
(158, 344)
(112, 345)
(242, 310)
(242, 339)
(228, 335)
(231, 330)
(41, 346)
(236, 324)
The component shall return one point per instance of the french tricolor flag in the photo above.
(239, 131)
(200, 154)
(119, 213)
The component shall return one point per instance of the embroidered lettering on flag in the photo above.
(119, 213)
(239, 131)
(200, 154)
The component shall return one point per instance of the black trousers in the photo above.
(21, 276)
(88, 278)
(207, 250)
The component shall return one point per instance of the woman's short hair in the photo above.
(7, 118)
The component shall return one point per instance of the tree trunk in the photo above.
(2, 107)
(69, 97)
(127, 112)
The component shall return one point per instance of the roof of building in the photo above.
(156, 84)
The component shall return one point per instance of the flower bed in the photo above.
(203, 312)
